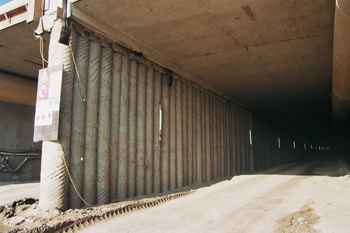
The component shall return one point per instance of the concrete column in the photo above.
(141, 129)
(172, 144)
(190, 134)
(132, 129)
(104, 122)
(157, 144)
(89, 193)
(55, 154)
(207, 137)
(115, 122)
(179, 142)
(184, 132)
(78, 122)
(122, 185)
(165, 135)
(150, 126)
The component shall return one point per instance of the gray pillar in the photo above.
(150, 126)
(78, 122)
(55, 154)
(156, 143)
(122, 185)
(104, 122)
(115, 122)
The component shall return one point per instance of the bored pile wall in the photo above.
(203, 137)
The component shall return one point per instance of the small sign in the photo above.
(48, 104)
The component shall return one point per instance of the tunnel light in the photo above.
(279, 143)
(294, 144)
(311, 147)
(250, 137)
(305, 146)
(319, 148)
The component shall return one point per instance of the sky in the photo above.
(4, 1)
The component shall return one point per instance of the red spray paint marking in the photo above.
(225, 159)
(118, 70)
(180, 94)
(134, 77)
(133, 144)
(167, 117)
(191, 147)
(115, 143)
(107, 176)
(133, 179)
(191, 98)
(200, 147)
(167, 145)
(167, 176)
(151, 84)
(114, 180)
(68, 138)
(180, 118)
(134, 110)
(167, 90)
(66, 184)
(168, 164)
(94, 142)
(98, 63)
(151, 113)
(94, 100)
(182, 173)
(94, 182)
(191, 122)
(152, 144)
(68, 93)
(117, 106)
(150, 179)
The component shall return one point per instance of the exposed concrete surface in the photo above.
(282, 59)
(20, 51)
(17, 90)
(17, 127)
(309, 197)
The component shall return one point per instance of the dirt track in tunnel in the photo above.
(288, 198)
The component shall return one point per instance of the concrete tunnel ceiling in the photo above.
(14, 58)
(274, 55)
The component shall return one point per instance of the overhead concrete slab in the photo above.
(245, 48)
(19, 51)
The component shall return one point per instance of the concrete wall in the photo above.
(204, 136)
(16, 133)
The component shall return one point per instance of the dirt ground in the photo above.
(303, 197)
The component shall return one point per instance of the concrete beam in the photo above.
(17, 90)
